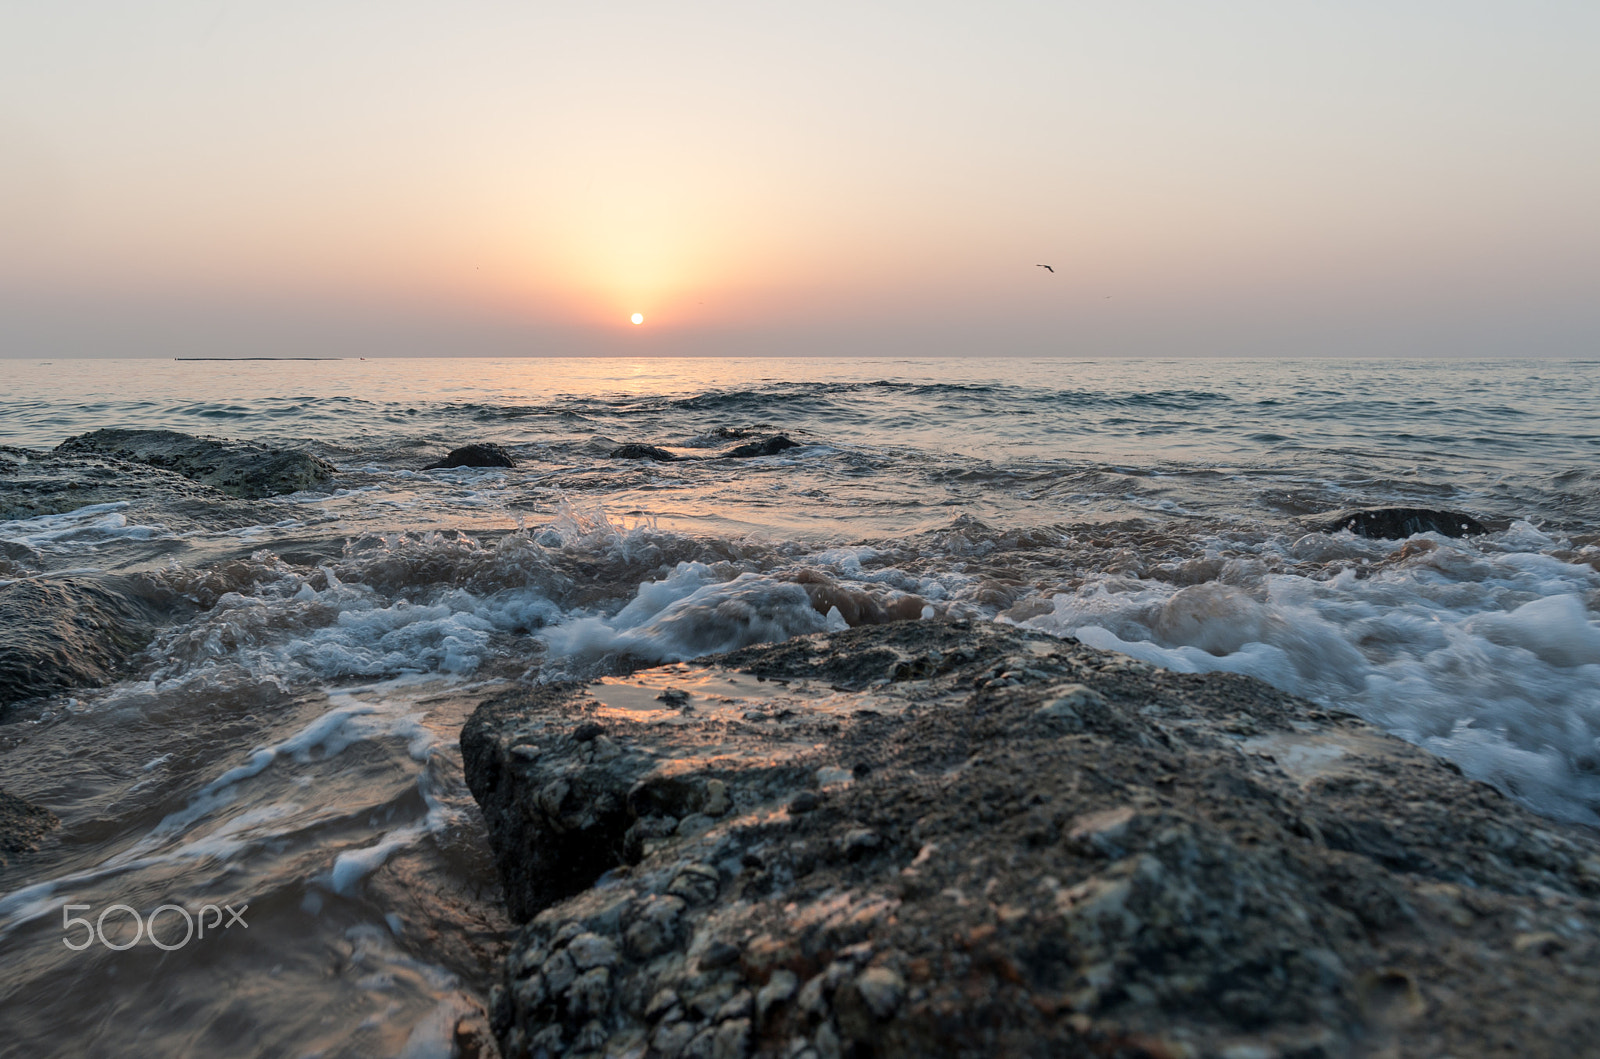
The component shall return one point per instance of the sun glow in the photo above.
(637, 318)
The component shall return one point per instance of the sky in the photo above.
(487, 177)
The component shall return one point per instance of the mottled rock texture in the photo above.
(34, 483)
(237, 468)
(22, 824)
(67, 632)
(942, 838)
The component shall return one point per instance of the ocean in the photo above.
(287, 743)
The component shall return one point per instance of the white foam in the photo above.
(353, 865)
(84, 526)
(689, 613)
(1483, 652)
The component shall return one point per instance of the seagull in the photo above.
(1047, 268)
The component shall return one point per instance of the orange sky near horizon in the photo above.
(492, 178)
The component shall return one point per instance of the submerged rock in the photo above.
(36, 483)
(1398, 523)
(721, 435)
(482, 454)
(237, 468)
(22, 824)
(1008, 844)
(67, 632)
(765, 447)
(643, 452)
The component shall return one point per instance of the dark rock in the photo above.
(643, 452)
(237, 468)
(22, 824)
(1129, 875)
(485, 454)
(723, 435)
(67, 632)
(1398, 523)
(765, 447)
(36, 483)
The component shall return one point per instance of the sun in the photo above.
(638, 318)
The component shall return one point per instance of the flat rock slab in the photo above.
(949, 838)
(237, 468)
(36, 483)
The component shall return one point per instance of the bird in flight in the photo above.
(1047, 268)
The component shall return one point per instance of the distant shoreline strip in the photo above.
(257, 358)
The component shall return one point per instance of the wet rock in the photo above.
(765, 447)
(634, 451)
(732, 1040)
(237, 468)
(480, 454)
(34, 483)
(1197, 865)
(779, 988)
(67, 632)
(22, 825)
(717, 801)
(655, 927)
(473, 1039)
(591, 950)
(1066, 711)
(696, 883)
(881, 990)
(1398, 523)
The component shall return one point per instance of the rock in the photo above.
(1398, 523)
(592, 950)
(237, 468)
(881, 990)
(765, 447)
(643, 452)
(1199, 865)
(717, 801)
(22, 824)
(779, 988)
(36, 483)
(68, 632)
(473, 1039)
(480, 454)
(1066, 711)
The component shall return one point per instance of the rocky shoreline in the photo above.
(925, 837)
(952, 838)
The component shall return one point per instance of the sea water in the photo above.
(289, 744)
